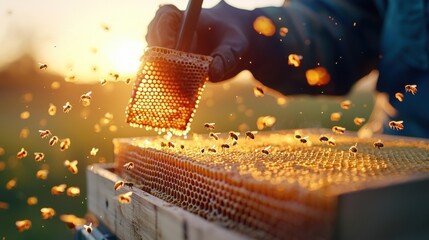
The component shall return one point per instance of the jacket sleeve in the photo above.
(340, 36)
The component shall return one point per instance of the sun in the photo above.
(124, 56)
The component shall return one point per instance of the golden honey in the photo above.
(289, 193)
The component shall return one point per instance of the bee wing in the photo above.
(74, 162)
(400, 122)
(267, 148)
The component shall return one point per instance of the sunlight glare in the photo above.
(124, 56)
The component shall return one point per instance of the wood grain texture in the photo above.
(146, 217)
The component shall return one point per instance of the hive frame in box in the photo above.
(146, 217)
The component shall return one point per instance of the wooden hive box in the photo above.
(292, 190)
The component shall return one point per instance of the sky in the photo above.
(70, 36)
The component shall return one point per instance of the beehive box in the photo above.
(271, 187)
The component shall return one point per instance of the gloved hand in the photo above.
(223, 32)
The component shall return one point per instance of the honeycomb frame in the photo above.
(167, 90)
(290, 193)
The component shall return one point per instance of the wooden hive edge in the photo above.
(146, 217)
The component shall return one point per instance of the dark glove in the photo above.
(223, 32)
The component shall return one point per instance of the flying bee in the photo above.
(224, 146)
(202, 150)
(212, 149)
(323, 138)
(11, 184)
(353, 149)
(378, 144)
(57, 190)
(85, 99)
(209, 126)
(118, 185)
(171, 144)
(265, 150)
(411, 88)
(42, 174)
(213, 135)
(358, 121)
(88, 228)
(233, 135)
(53, 140)
(22, 153)
(93, 151)
(128, 81)
(71, 166)
(304, 139)
(298, 135)
(294, 60)
(399, 96)
(345, 104)
(47, 213)
(163, 144)
(65, 144)
(45, 133)
(67, 107)
(251, 134)
(125, 198)
(331, 142)
(129, 184)
(338, 130)
(182, 146)
(73, 191)
(43, 66)
(103, 82)
(129, 165)
(258, 91)
(23, 225)
(52, 110)
(114, 75)
(234, 143)
(336, 116)
(396, 125)
(38, 156)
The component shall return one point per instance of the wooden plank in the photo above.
(147, 217)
